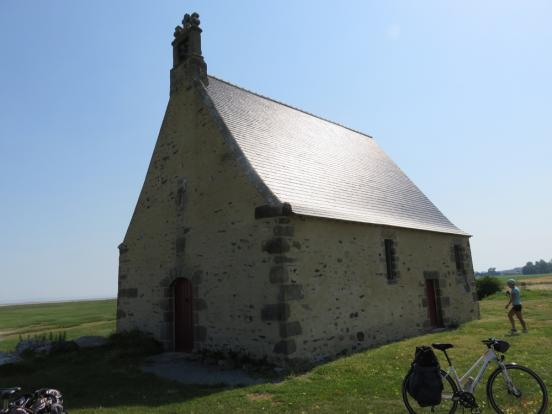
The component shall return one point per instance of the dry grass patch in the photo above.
(538, 283)
(260, 396)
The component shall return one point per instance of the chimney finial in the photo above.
(187, 48)
(190, 21)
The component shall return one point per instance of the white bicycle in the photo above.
(511, 388)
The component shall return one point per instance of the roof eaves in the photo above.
(458, 232)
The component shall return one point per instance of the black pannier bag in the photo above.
(425, 384)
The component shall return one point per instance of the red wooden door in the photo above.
(432, 305)
(183, 316)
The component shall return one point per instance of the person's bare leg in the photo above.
(520, 317)
(511, 317)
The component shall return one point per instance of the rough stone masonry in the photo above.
(295, 239)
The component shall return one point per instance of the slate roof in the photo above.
(321, 168)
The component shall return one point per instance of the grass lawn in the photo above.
(368, 382)
(75, 318)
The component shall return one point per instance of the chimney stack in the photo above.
(188, 63)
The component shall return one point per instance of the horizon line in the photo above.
(58, 300)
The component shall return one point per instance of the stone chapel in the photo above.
(267, 231)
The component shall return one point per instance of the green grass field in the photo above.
(75, 318)
(367, 382)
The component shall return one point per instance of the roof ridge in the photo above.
(291, 107)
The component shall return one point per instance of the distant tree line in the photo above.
(536, 268)
(491, 272)
(539, 267)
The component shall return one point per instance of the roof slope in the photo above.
(321, 168)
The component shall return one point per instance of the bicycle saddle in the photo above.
(442, 347)
(8, 392)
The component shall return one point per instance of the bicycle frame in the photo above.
(484, 360)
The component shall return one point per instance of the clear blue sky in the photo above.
(459, 94)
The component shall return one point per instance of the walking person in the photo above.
(515, 300)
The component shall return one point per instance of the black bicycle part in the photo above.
(495, 374)
(497, 344)
(443, 348)
(5, 395)
(466, 399)
(8, 392)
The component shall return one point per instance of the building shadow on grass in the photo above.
(101, 377)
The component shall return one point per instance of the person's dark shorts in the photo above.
(517, 308)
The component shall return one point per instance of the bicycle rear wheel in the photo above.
(447, 406)
(519, 390)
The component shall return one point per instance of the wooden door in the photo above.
(432, 304)
(183, 316)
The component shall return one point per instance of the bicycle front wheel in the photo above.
(517, 389)
(447, 406)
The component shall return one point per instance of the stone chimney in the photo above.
(188, 63)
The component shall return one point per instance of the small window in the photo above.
(390, 259)
(459, 258)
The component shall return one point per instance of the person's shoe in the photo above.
(513, 332)
(525, 330)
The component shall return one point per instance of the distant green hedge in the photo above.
(487, 285)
